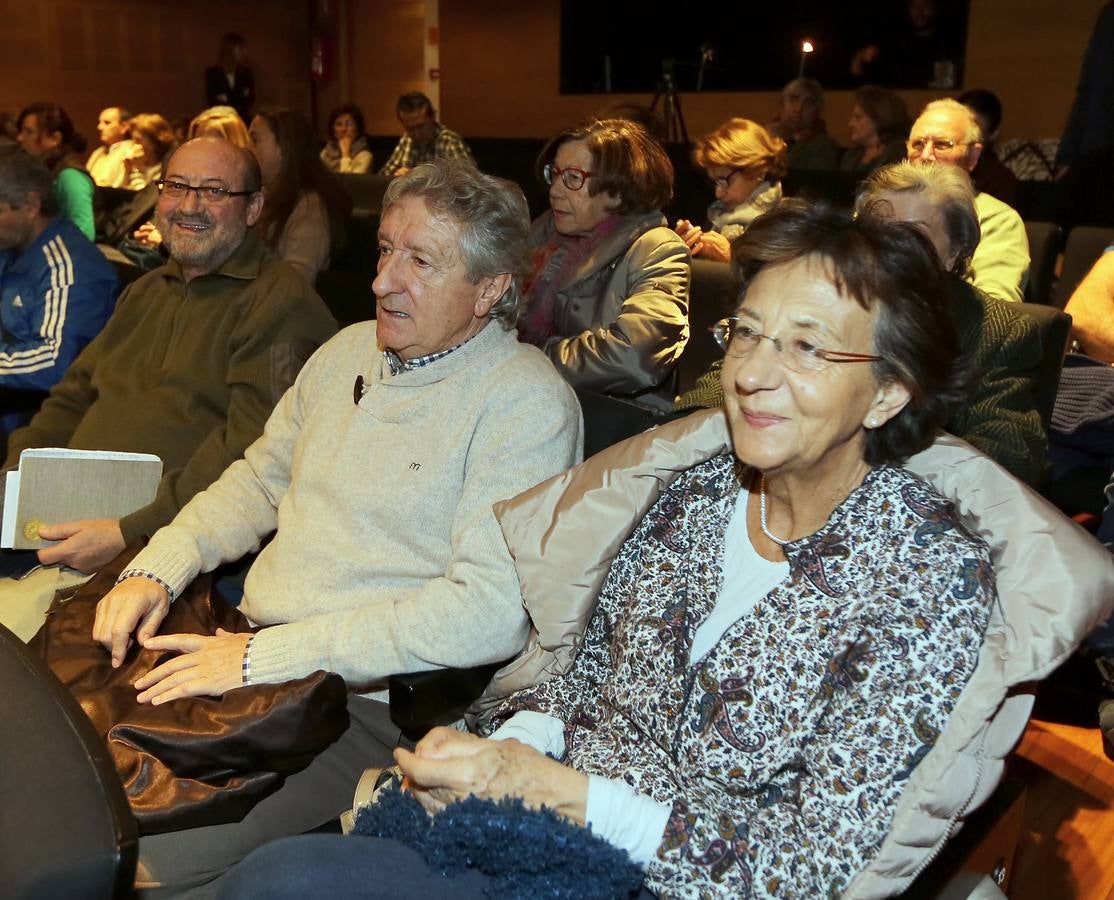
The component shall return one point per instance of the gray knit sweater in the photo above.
(387, 556)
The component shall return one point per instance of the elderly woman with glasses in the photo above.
(783, 632)
(608, 294)
(745, 164)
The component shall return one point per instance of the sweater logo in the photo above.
(17, 302)
(414, 466)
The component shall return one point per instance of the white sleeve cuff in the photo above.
(545, 734)
(625, 818)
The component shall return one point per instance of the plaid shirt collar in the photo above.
(397, 365)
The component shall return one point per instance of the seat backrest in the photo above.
(608, 420)
(1054, 326)
(366, 190)
(1084, 246)
(711, 297)
(1044, 245)
(65, 826)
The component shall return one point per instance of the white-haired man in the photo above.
(946, 131)
(376, 474)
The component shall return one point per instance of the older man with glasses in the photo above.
(188, 368)
(947, 132)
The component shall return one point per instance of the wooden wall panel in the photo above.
(147, 55)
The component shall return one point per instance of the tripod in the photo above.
(672, 115)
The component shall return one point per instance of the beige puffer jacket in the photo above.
(1055, 583)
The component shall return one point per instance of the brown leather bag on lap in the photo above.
(198, 760)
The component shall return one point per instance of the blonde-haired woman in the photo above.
(223, 122)
(746, 164)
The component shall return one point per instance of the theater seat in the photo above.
(1044, 247)
(1054, 326)
(66, 830)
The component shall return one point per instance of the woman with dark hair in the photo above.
(347, 149)
(46, 131)
(305, 209)
(608, 296)
(745, 164)
(751, 628)
(155, 141)
(878, 127)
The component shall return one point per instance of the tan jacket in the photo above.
(624, 311)
(1055, 584)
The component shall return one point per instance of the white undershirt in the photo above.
(616, 812)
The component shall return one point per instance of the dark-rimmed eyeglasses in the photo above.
(210, 195)
(725, 180)
(737, 338)
(572, 177)
(919, 145)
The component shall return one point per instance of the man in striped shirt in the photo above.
(56, 289)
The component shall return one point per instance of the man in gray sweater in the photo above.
(376, 473)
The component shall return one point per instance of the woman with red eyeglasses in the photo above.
(607, 299)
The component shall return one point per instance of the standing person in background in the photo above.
(800, 123)
(106, 164)
(304, 215)
(231, 82)
(347, 149)
(46, 131)
(425, 140)
(745, 164)
(154, 142)
(877, 127)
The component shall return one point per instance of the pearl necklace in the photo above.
(762, 514)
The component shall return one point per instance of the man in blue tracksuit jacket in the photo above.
(56, 289)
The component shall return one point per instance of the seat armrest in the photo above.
(421, 700)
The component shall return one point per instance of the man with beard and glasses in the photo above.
(189, 366)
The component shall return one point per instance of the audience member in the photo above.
(306, 208)
(788, 618)
(990, 173)
(878, 126)
(9, 128)
(56, 289)
(1090, 126)
(231, 82)
(46, 131)
(800, 123)
(947, 132)
(154, 141)
(222, 122)
(106, 165)
(608, 294)
(1002, 344)
(745, 164)
(425, 140)
(400, 567)
(347, 149)
(217, 121)
(189, 366)
(1091, 308)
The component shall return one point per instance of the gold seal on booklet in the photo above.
(31, 529)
